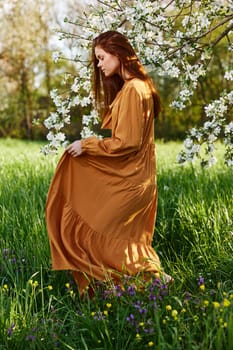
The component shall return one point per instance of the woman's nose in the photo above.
(99, 64)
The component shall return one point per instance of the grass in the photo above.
(41, 309)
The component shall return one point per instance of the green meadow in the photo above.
(41, 309)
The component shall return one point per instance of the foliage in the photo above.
(41, 309)
(28, 73)
(175, 39)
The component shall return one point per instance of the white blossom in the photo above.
(212, 161)
(179, 54)
(177, 104)
(63, 109)
(86, 132)
(229, 128)
(229, 162)
(229, 75)
(56, 56)
(170, 68)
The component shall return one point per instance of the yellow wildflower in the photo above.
(168, 307)
(93, 313)
(50, 287)
(206, 302)
(231, 296)
(225, 325)
(216, 304)
(141, 324)
(202, 287)
(67, 285)
(226, 302)
(138, 336)
(174, 313)
(106, 312)
(164, 321)
(5, 286)
(108, 305)
(150, 343)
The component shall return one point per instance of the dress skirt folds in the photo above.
(101, 206)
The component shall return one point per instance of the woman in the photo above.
(102, 202)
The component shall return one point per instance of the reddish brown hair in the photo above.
(106, 88)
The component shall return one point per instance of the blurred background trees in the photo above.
(28, 73)
(27, 70)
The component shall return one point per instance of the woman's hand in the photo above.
(75, 148)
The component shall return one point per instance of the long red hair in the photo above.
(106, 88)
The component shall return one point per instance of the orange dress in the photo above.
(101, 206)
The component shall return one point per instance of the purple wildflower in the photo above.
(201, 281)
(5, 251)
(131, 290)
(13, 260)
(30, 337)
(152, 297)
(131, 319)
(118, 291)
(99, 316)
(10, 329)
(187, 296)
(140, 307)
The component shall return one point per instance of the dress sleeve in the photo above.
(127, 132)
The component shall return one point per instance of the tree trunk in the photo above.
(26, 102)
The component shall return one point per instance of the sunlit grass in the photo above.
(40, 309)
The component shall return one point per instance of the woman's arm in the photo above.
(126, 134)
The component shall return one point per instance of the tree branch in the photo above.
(108, 5)
(216, 26)
(221, 36)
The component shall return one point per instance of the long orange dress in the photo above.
(101, 206)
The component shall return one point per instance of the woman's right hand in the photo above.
(75, 148)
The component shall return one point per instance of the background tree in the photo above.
(27, 69)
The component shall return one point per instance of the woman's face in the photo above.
(108, 63)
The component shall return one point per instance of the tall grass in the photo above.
(40, 309)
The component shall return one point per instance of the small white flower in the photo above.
(229, 97)
(56, 56)
(188, 143)
(177, 104)
(60, 136)
(86, 132)
(53, 93)
(229, 162)
(212, 138)
(196, 149)
(229, 128)
(212, 161)
(228, 75)
(207, 125)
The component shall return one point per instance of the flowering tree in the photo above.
(173, 38)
